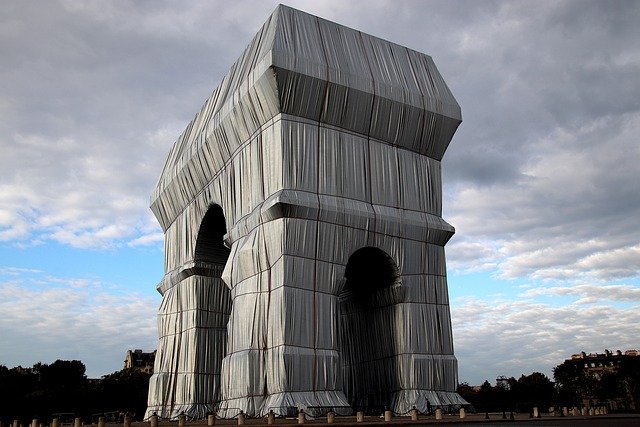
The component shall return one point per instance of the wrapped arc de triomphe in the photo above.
(304, 243)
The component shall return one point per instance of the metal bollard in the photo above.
(127, 421)
(15, 423)
(77, 422)
(54, 423)
(388, 415)
(301, 417)
(211, 419)
(241, 418)
(359, 416)
(182, 419)
(153, 420)
(34, 422)
(414, 414)
(331, 416)
(438, 413)
(536, 413)
(463, 413)
(102, 422)
(271, 417)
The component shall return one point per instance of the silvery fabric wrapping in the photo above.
(319, 142)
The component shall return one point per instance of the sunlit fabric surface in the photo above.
(304, 244)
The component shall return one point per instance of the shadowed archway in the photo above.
(210, 258)
(367, 305)
(210, 246)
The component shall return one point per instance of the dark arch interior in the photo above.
(367, 305)
(369, 270)
(210, 257)
(210, 244)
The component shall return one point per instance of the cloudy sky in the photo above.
(542, 180)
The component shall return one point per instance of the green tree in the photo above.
(467, 392)
(571, 383)
(503, 396)
(15, 384)
(62, 387)
(61, 374)
(628, 380)
(485, 397)
(532, 390)
(126, 391)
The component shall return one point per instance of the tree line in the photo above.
(62, 387)
(510, 394)
(611, 382)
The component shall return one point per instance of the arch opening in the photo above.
(370, 270)
(210, 257)
(210, 245)
(367, 332)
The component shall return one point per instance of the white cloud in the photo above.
(464, 256)
(591, 293)
(46, 318)
(12, 226)
(15, 271)
(76, 195)
(147, 239)
(571, 215)
(511, 338)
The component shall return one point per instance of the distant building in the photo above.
(596, 365)
(608, 367)
(140, 360)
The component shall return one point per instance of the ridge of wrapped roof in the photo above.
(294, 49)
